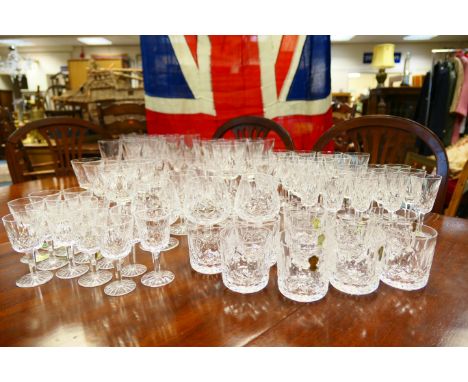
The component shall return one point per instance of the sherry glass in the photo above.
(89, 229)
(115, 244)
(154, 229)
(179, 180)
(428, 196)
(133, 269)
(17, 207)
(25, 237)
(62, 217)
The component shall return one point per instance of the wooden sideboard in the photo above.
(401, 101)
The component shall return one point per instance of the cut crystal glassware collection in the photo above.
(324, 218)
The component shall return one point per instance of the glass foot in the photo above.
(60, 252)
(94, 279)
(72, 272)
(119, 288)
(81, 258)
(105, 264)
(179, 229)
(51, 264)
(157, 279)
(32, 280)
(133, 270)
(25, 259)
(173, 243)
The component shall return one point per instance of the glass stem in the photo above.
(51, 249)
(420, 220)
(156, 262)
(32, 263)
(71, 258)
(118, 269)
(134, 253)
(93, 262)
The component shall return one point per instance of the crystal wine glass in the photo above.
(115, 244)
(25, 237)
(154, 229)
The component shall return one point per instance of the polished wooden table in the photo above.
(197, 310)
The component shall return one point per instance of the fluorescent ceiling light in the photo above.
(94, 40)
(16, 42)
(341, 37)
(418, 37)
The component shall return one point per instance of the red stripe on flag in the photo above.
(283, 62)
(304, 129)
(235, 76)
(192, 44)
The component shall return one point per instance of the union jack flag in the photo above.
(196, 83)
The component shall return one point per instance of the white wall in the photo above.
(347, 58)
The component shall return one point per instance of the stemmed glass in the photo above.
(110, 149)
(18, 206)
(89, 228)
(62, 216)
(179, 180)
(25, 237)
(115, 244)
(79, 170)
(393, 195)
(257, 198)
(428, 195)
(154, 230)
(133, 269)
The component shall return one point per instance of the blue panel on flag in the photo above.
(163, 76)
(312, 79)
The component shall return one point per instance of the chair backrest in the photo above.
(122, 118)
(63, 141)
(7, 126)
(458, 192)
(254, 127)
(387, 139)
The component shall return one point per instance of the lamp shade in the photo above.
(383, 56)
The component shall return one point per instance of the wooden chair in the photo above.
(387, 139)
(254, 127)
(64, 138)
(122, 118)
(7, 126)
(458, 192)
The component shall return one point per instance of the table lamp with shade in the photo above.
(383, 58)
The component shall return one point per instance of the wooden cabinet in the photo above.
(400, 101)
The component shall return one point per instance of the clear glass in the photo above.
(89, 227)
(110, 149)
(204, 251)
(303, 266)
(428, 196)
(357, 263)
(245, 256)
(257, 198)
(408, 256)
(25, 236)
(115, 244)
(80, 173)
(154, 229)
(62, 218)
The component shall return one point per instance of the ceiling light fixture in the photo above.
(341, 37)
(94, 40)
(16, 42)
(418, 37)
